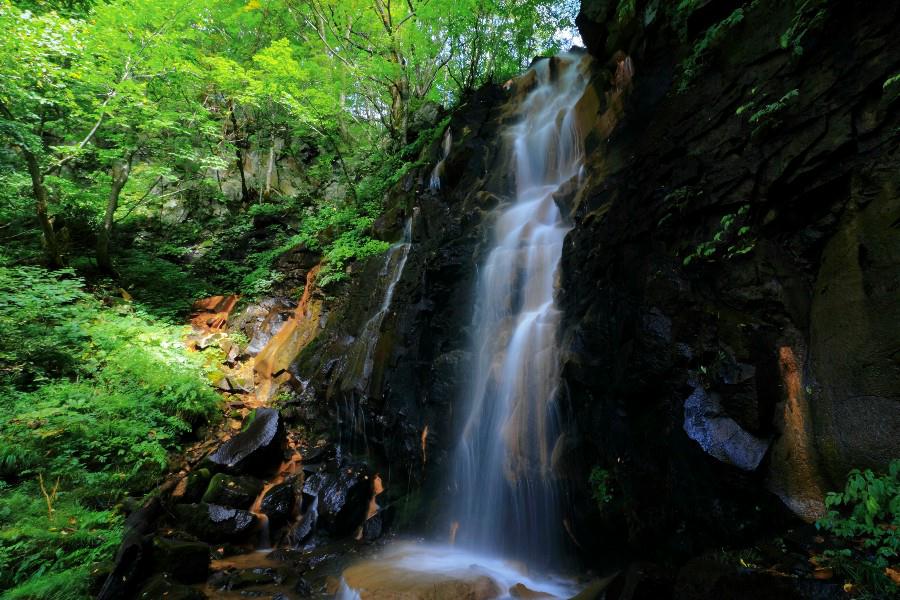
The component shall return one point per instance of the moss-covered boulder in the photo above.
(232, 491)
(194, 486)
(188, 562)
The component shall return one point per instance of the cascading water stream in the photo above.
(507, 500)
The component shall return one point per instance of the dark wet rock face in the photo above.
(215, 523)
(257, 449)
(729, 288)
(342, 498)
(278, 503)
(422, 342)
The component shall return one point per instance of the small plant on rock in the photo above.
(601, 486)
(731, 239)
(809, 17)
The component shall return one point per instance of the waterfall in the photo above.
(506, 499)
(434, 182)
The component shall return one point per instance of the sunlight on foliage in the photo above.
(93, 397)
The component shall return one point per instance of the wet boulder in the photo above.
(303, 588)
(215, 523)
(188, 562)
(233, 492)
(258, 448)
(342, 498)
(718, 434)
(278, 504)
(163, 586)
(241, 579)
(133, 559)
(303, 528)
(376, 524)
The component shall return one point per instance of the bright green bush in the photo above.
(94, 399)
(865, 518)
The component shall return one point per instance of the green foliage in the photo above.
(747, 558)
(159, 286)
(809, 16)
(730, 239)
(625, 10)
(865, 518)
(892, 80)
(766, 112)
(94, 400)
(600, 481)
(695, 62)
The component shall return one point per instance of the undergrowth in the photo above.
(865, 520)
(94, 399)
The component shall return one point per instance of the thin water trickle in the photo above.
(434, 183)
(361, 357)
(394, 263)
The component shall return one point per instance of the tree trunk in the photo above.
(120, 173)
(245, 192)
(400, 111)
(51, 243)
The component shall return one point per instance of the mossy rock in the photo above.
(188, 562)
(233, 492)
(162, 586)
(197, 482)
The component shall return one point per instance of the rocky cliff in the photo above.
(730, 286)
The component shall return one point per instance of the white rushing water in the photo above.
(417, 570)
(506, 499)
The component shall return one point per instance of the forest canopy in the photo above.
(108, 107)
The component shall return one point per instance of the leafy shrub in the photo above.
(810, 15)
(731, 239)
(160, 287)
(865, 518)
(600, 481)
(693, 65)
(93, 399)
